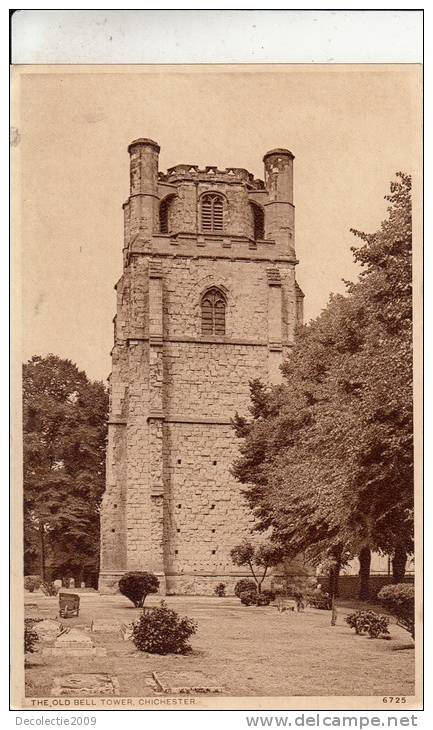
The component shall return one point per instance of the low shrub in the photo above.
(263, 599)
(30, 636)
(399, 599)
(368, 622)
(32, 582)
(270, 594)
(248, 598)
(49, 588)
(137, 585)
(220, 590)
(244, 584)
(252, 598)
(163, 631)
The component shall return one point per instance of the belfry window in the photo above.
(212, 209)
(258, 222)
(164, 213)
(213, 313)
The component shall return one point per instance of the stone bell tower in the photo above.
(207, 301)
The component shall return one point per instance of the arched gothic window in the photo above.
(164, 212)
(258, 221)
(212, 208)
(213, 313)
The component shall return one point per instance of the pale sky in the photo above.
(350, 129)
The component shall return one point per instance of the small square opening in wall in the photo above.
(213, 552)
(113, 530)
(179, 461)
(212, 506)
(178, 529)
(114, 505)
(176, 552)
(179, 506)
(213, 529)
(214, 463)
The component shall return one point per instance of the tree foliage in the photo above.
(327, 456)
(31, 638)
(64, 432)
(399, 599)
(257, 558)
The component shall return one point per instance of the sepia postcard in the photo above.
(216, 431)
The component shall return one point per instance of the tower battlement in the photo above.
(211, 174)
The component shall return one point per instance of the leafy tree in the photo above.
(326, 457)
(387, 283)
(64, 432)
(257, 557)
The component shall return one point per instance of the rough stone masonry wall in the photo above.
(201, 381)
(206, 380)
(245, 285)
(204, 512)
(113, 512)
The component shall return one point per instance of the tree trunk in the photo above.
(399, 564)
(364, 573)
(259, 582)
(331, 581)
(334, 574)
(334, 611)
(256, 580)
(42, 539)
(337, 581)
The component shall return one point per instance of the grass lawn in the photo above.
(246, 650)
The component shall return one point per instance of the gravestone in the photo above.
(72, 583)
(47, 630)
(186, 682)
(74, 638)
(82, 584)
(74, 642)
(126, 631)
(69, 604)
(150, 682)
(58, 583)
(96, 685)
(105, 626)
